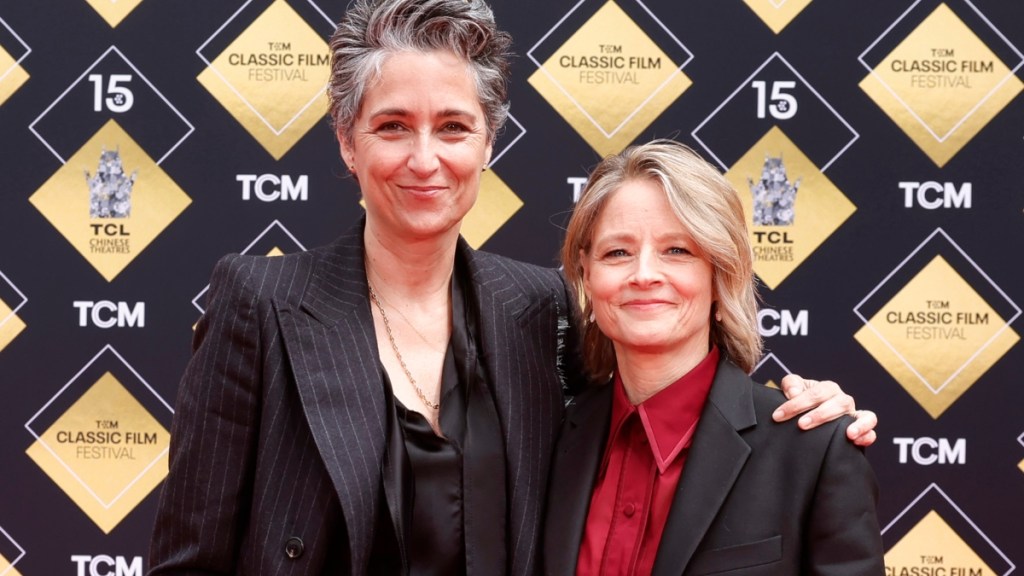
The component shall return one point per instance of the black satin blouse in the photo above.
(436, 541)
(444, 497)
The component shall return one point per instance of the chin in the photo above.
(429, 227)
(648, 344)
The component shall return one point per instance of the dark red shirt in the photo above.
(643, 461)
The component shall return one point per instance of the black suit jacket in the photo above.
(279, 431)
(755, 497)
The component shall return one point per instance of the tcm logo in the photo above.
(932, 565)
(782, 322)
(103, 565)
(935, 195)
(270, 187)
(577, 183)
(107, 314)
(927, 451)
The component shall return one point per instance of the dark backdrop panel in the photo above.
(932, 223)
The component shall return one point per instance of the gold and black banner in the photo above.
(878, 148)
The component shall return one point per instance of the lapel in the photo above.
(716, 457)
(489, 284)
(517, 334)
(516, 342)
(577, 460)
(331, 347)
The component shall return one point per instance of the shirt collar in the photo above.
(669, 417)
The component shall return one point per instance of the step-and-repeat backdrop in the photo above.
(141, 140)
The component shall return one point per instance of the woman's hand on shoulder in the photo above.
(820, 401)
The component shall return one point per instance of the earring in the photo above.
(718, 316)
(593, 318)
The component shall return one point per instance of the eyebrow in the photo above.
(614, 237)
(402, 112)
(628, 236)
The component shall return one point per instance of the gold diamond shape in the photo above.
(106, 452)
(10, 325)
(941, 111)
(609, 80)
(777, 13)
(110, 244)
(113, 11)
(932, 545)
(495, 205)
(272, 78)
(6, 569)
(936, 336)
(820, 208)
(12, 76)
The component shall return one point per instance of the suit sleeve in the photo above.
(844, 538)
(205, 499)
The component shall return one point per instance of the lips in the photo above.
(645, 304)
(425, 192)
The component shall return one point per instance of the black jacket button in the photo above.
(293, 547)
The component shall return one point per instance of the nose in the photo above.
(648, 268)
(423, 158)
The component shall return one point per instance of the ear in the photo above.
(585, 264)
(487, 154)
(348, 155)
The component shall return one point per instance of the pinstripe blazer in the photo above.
(278, 438)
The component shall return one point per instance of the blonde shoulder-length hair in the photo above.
(709, 208)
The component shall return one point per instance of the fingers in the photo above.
(793, 384)
(862, 431)
(825, 400)
(866, 439)
(830, 408)
(820, 401)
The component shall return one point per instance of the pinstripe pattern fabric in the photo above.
(279, 429)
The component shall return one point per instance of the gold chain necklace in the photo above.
(394, 346)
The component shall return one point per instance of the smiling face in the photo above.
(650, 285)
(418, 146)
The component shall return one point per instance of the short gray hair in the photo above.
(373, 29)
